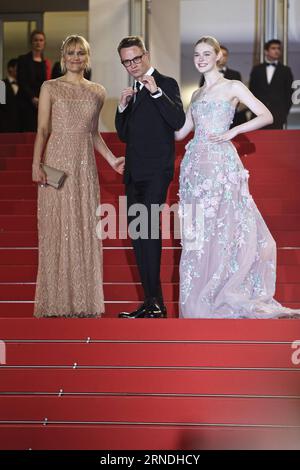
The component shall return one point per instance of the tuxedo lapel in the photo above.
(264, 74)
(276, 74)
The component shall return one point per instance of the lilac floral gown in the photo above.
(228, 260)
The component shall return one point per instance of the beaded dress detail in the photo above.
(69, 280)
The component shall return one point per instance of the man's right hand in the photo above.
(126, 96)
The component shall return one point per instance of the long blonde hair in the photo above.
(71, 41)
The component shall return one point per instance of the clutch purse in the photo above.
(55, 177)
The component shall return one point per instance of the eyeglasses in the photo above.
(136, 60)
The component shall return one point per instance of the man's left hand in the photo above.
(149, 82)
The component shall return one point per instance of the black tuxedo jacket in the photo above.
(232, 75)
(10, 112)
(147, 126)
(277, 95)
(30, 83)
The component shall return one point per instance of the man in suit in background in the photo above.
(230, 74)
(271, 83)
(10, 111)
(146, 118)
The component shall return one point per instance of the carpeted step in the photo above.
(150, 354)
(151, 381)
(29, 222)
(29, 239)
(19, 310)
(266, 206)
(129, 273)
(132, 291)
(125, 257)
(133, 436)
(146, 330)
(279, 176)
(143, 409)
(109, 191)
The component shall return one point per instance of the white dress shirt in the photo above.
(13, 83)
(270, 70)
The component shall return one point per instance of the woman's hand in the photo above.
(227, 136)
(35, 102)
(118, 165)
(38, 175)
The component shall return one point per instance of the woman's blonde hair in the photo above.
(73, 41)
(211, 41)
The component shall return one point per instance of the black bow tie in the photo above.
(271, 63)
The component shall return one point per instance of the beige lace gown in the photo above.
(69, 280)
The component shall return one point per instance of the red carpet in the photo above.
(164, 384)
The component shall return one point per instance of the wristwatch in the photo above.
(157, 93)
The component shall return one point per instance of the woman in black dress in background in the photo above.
(33, 70)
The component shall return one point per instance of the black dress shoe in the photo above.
(138, 313)
(156, 310)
